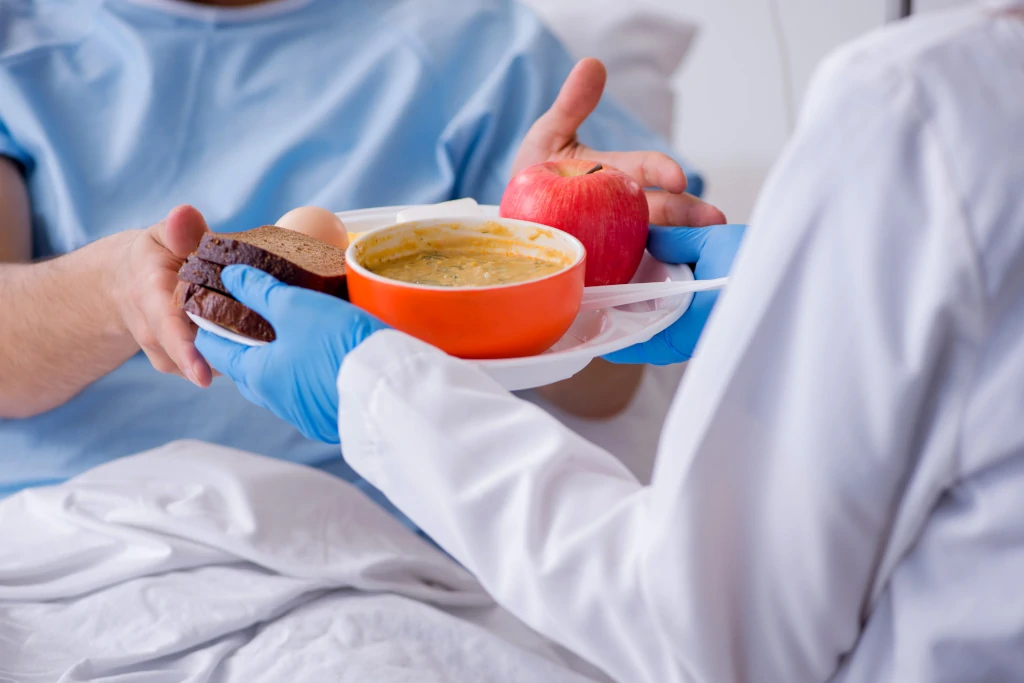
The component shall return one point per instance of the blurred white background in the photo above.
(724, 78)
(742, 83)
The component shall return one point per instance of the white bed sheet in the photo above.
(196, 563)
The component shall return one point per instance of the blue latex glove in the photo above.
(295, 376)
(712, 249)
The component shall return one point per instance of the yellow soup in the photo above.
(465, 268)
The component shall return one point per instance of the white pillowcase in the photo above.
(641, 43)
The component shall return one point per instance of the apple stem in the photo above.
(594, 170)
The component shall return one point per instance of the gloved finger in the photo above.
(657, 350)
(255, 289)
(676, 245)
(669, 208)
(632, 355)
(690, 327)
(225, 356)
(250, 396)
(668, 347)
(676, 344)
(359, 326)
(719, 252)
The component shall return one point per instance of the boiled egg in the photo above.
(317, 223)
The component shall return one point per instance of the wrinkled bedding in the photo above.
(196, 563)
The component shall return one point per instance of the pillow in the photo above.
(641, 43)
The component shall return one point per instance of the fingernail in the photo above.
(193, 375)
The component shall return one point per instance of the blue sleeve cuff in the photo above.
(9, 149)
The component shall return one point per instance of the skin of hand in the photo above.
(143, 286)
(70, 319)
(602, 390)
(554, 136)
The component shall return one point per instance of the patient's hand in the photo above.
(553, 137)
(143, 286)
(601, 390)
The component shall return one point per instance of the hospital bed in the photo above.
(198, 563)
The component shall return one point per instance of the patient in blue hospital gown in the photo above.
(115, 111)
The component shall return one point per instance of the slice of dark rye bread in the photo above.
(200, 272)
(291, 257)
(223, 310)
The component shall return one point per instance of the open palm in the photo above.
(553, 136)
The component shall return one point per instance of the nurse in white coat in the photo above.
(839, 493)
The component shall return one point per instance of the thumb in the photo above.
(579, 96)
(255, 289)
(677, 343)
(676, 245)
(181, 231)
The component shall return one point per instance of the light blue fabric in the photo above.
(121, 110)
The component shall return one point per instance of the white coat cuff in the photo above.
(384, 358)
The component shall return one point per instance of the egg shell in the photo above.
(317, 223)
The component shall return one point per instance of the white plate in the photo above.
(593, 334)
(214, 328)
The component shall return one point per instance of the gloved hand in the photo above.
(712, 249)
(295, 376)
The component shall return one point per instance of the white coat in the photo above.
(839, 492)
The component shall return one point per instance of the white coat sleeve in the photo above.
(546, 520)
(820, 388)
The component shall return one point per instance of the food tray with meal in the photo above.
(527, 290)
(524, 334)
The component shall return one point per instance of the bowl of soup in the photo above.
(473, 287)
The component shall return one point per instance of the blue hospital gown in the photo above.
(119, 110)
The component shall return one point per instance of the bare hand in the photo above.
(553, 136)
(144, 291)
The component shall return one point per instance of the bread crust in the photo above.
(300, 261)
(200, 272)
(222, 310)
(293, 258)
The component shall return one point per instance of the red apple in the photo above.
(600, 206)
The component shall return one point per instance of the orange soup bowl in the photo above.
(496, 321)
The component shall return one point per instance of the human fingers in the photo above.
(181, 231)
(672, 209)
(650, 169)
(555, 130)
(168, 328)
